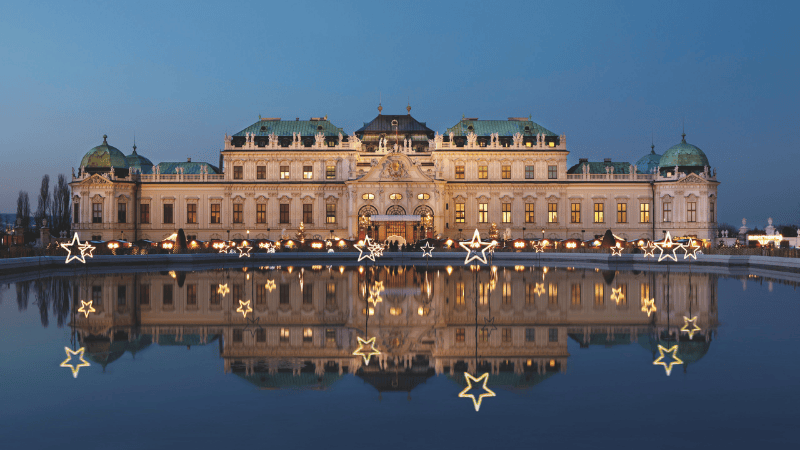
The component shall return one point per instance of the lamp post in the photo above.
(523, 232)
(542, 233)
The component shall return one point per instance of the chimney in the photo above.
(608, 160)
(188, 159)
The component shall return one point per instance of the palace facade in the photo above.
(391, 177)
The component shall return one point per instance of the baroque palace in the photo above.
(394, 177)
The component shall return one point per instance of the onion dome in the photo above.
(105, 157)
(686, 156)
(138, 162)
(648, 162)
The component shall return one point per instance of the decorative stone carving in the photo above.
(518, 138)
(472, 140)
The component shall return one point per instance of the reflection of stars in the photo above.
(427, 250)
(694, 329)
(86, 308)
(374, 295)
(673, 352)
(223, 289)
(270, 286)
(691, 249)
(649, 250)
(370, 247)
(74, 366)
(617, 295)
(253, 325)
(668, 245)
(470, 379)
(366, 349)
(617, 250)
(244, 250)
(244, 308)
(649, 306)
(74, 247)
(473, 245)
(488, 326)
(539, 289)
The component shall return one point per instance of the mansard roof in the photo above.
(405, 124)
(503, 127)
(267, 126)
(188, 167)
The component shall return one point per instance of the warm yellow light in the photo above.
(244, 308)
(673, 351)
(366, 349)
(539, 288)
(84, 248)
(223, 289)
(371, 311)
(86, 308)
(530, 362)
(617, 295)
(648, 306)
(316, 245)
(247, 277)
(571, 245)
(519, 268)
(75, 367)
(649, 250)
(473, 244)
(552, 363)
(691, 249)
(449, 270)
(667, 244)
(422, 311)
(173, 274)
(617, 250)
(519, 245)
(395, 311)
(686, 329)
(470, 379)
(374, 249)
(270, 286)
(374, 295)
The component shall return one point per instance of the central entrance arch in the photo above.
(396, 228)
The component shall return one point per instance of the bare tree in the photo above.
(43, 210)
(61, 206)
(24, 210)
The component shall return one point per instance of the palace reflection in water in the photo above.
(514, 322)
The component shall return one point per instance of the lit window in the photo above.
(261, 213)
(599, 299)
(506, 172)
(575, 213)
(215, 213)
(396, 196)
(551, 144)
(575, 296)
(423, 196)
(483, 212)
(330, 213)
(191, 213)
(460, 215)
(395, 311)
(506, 212)
(552, 293)
(529, 144)
(529, 172)
(622, 212)
(460, 293)
(308, 334)
(552, 212)
(483, 172)
(644, 212)
(330, 172)
(459, 172)
(368, 196)
(529, 216)
(284, 335)
(483, 335)
(308, 172)
(460, 335)
(598, 213)
(284, 172)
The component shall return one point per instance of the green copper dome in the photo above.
(683, 155)
(648, 162)
(104, 156)
(139, 162)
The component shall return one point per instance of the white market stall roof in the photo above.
(393, 218)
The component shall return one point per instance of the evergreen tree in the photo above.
(24, 210)
(43, 210)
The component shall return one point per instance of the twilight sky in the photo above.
(607, 74)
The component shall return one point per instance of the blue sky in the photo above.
(607, 74)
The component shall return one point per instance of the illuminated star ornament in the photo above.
(377, 249)
(223, 248)
(649, 250)
(375, 295)
(538, 247)
(669, 246)
(617, 250)
(427, 250)
(244, 308)
(86, 308)
(617, 295)
(476, 401)
(648, 306)
(686, 322)
(370, 247)
(75, 366)
(472, 247)
(366, 349)
(539, 289)
(244, 250)
(223, 289)
(270, 286)
(74, 247)
(691, 249)
(673, 352)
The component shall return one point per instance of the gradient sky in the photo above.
(607, 74)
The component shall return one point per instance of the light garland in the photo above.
(75, 245)
(667, 244)
(472, 245)
(673, 352)
(693, 322)
(75, 367)
(366, 349)
(427, 250)
(244, 308)
(481, 379)
(86, 308)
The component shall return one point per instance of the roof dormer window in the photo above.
(263, 128)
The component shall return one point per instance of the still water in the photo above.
(264, 356)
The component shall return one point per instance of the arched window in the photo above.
(423, 210)
(396, 210)
(367, 211)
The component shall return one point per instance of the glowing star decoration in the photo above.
(649, 250)
(244, 308)
(223, 289)
(366, 349)
(75, 366)
(691, 249)
(75, 246)
(648, 306)
(244, 250)
(617, 250)
(86, 308)
(472, 247)
(539, 289)
(370, 247)
(377, 249)
(617, 295)
(223, 247)
(673, 353)
(668, 245)
(538, 247)
(374, 295)
(270, 286)
(427, 250)
(693, 322)
(487, 392)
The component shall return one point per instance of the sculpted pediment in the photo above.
(693, 178)
(96, 179)
(395, 167)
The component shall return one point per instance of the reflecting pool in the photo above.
(398, 357)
